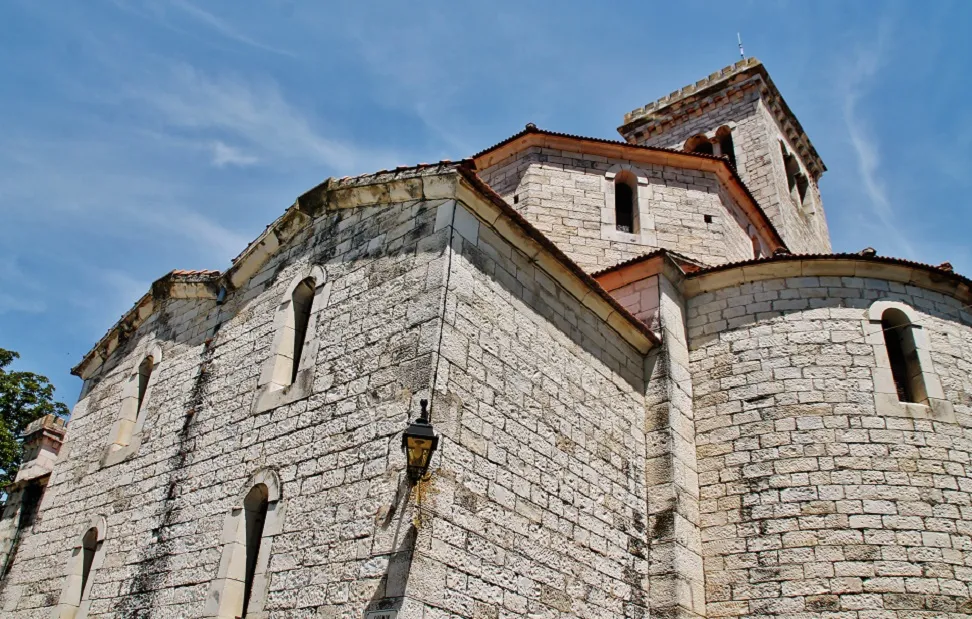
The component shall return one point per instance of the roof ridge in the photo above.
(945, 268)
(533, 129)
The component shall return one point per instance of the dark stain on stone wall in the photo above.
(151, 572)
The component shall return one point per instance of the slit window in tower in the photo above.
(624, 202)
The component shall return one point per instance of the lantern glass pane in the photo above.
(418, 451)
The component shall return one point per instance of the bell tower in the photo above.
(739, 114)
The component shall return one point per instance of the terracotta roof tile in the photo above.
(652, 254)
(207, 272)
(942, 269)
(531, 128)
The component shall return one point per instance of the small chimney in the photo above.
(868, 252)
(43, 438)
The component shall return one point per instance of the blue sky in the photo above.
(139, 137)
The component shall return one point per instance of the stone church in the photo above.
(567, 377)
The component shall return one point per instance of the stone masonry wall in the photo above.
(79, 489)
(812, 504)
(806, 223)
(537, 507)
(567, 197)
(537, 501)
(337, 453)
(756, 137)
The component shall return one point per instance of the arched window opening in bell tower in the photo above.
(792, 169)
(726, 147)
(699, 144)
(625, 202)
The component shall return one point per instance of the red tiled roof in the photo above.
(202, 272)
(532, 128)
(944, 269)
(653, 254)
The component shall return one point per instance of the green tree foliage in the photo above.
(24, 396)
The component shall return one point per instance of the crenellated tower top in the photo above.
(739, 113)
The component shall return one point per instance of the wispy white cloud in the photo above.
(167, 14)
(254, 112)
(196, 228)
(225, 28)
(416, 76)
(94, 190)
(856, 80)
(107, 294)
(17, 289)
(226, 155)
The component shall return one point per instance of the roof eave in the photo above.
(898, 270)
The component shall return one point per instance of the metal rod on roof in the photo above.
(742, 54)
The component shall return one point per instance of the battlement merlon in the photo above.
(680, 102)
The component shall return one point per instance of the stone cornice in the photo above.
(173, 285)
(693, 281)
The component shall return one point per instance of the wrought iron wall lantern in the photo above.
(419, 443)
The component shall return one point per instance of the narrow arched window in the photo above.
(625, 201)
(906, 371)
(255, 513)
(726, 147)
(288, 373)
(240, 590)
(87, 557)
(144, 374)
(300, 306)
(89, 545)
(699, 144)
(126, 433)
